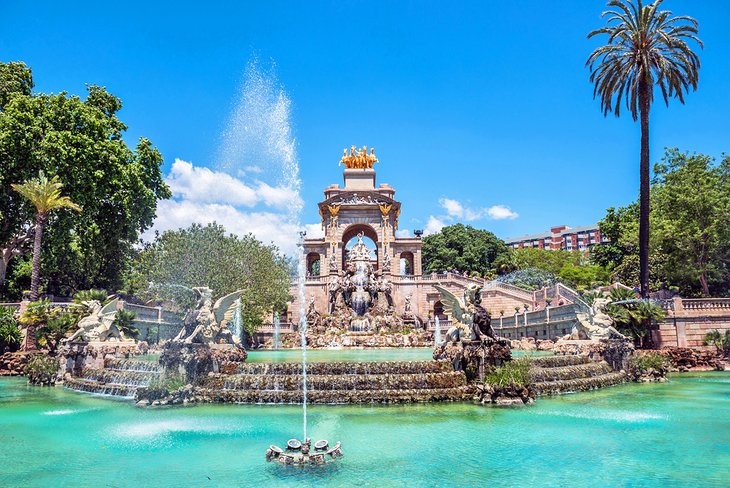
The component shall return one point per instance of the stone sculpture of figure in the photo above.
(208, 323)
(407, 311)
(310, 308)
(473, 322)
(601, 326)
(99, 324)
(386, 261)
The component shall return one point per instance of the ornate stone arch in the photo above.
(368, 231)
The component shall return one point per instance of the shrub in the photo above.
(10, 335)
(123, 321)
(167, 383)
(41, 370)
(88, 295)
(645, 362)
(54, 330)
(514, 372)
(720, 341)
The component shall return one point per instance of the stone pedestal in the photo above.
(194, 361)
(475, 358)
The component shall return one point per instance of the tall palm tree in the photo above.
(646, 47)
(45, 195)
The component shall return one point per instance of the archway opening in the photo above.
(313, 264)
(370, 239)
(438, 310)
(406, 263)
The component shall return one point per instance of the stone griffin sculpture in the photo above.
(99, 324)
(473, 322)
(601, 327)
(208, 323)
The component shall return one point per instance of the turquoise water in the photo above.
(314, 355)
(675, 434)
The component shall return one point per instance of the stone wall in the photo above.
(689, 320)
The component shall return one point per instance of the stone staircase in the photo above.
(553, 375)
(336, 382)
(119, 377)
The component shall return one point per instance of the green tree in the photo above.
(690, 237)
(15, 79)
(10, 335)
(691, 198)
(463, 248)
(45, 196)
(207, 256)
(646, 47)
(80, 142)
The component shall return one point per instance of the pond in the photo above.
(672, 434)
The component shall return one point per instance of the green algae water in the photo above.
(673, 434)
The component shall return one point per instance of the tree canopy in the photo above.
(79, 142)
(462, 248)
(207, 256)
(690, 237)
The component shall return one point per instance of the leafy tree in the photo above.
(462, 248)
(10, 335)
(45, 196)
(15, 79)
(691, 196)
(646, 47)
(36, 316)
(207, 256)
(80, 142)
(690, 237)
(634, 318)
(529, 279)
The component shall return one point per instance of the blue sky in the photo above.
(486, 104)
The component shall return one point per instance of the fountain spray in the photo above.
(303, 329)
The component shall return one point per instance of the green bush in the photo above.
(168, 383)
(41, 370)
(54, 330)
(645, 362)
(123, 321)
(88, 295)
(10, 335)
(720, 341)
(514, 372)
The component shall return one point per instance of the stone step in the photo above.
(579, 384)
(558, 361)
(561, 373)
(91, 386)
(332, 396)
(336, 382)
(346, 368)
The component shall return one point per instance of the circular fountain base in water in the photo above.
(302, 454)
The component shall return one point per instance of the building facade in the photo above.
(560, 237)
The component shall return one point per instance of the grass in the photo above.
(515, 372)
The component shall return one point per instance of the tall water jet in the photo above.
(237, 321)
(276, 338)
(303, 329)
(437, 332)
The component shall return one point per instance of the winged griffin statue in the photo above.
(99, 324)
(208, 323)
(473, 322)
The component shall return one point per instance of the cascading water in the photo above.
(276, 338)
(437, 332)
(237, 321)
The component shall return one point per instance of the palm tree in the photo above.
(46, 196)
(646, 47)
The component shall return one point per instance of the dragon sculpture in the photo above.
(208, 323)
(99, 324)
(473, 322)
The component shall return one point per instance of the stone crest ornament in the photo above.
(99, 324)
(208, 323)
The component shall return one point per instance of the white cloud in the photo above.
(457, 210)
(434, 225)
(403, 233)
(452, 207)
(500, 212)
(201, 195)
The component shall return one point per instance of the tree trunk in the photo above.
(40, 221)
(644, 93)
(705, 284)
